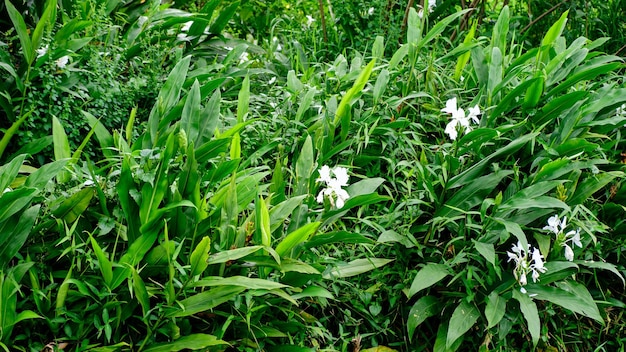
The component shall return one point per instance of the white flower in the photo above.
(524, 265)
(324, 174)
(370, 11)
(431, 5)
(272, 80)
(458, 118)
(309, 20)
(8, 189)
(42, 51)
(621, 110)
(333, 191)
(62, 61)
(566, 240)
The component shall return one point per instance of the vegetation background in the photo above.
(312, 175)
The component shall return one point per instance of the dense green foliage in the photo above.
(304, 176)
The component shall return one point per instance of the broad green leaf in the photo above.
(74, 206)
(280, 212)
(424, 308)
(222, 19)
(233, 254)
(439, 27)
(304, 167)
(296, 237)
(381, 85)
(47, 19)
(262, 222)
(305, 103)
(464, 58)
(12, 202)
(9, 171)
(429, 275)
(13, 238)
(551, 35)
(243, 102)
(247, 282)
(463, 318)
(313, 291)
(22, 32)
(287, 265)
(500, 30)
(537, 202)
(139, 288)
(191, 117)
(486, 250)
(106, 267)
(153, 193)
(199, 259)
(590, 185)
(355, 267)
(40, 178)
(61, 147)
(351, 95)
(168, 96)
(336, 237)
(206, 300)
(378, 48)
(494, 309)
(530, 313)
(602, 265)
(569, 295)
(189, 342)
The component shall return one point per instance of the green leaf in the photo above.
(304, 167)
(463, 318)
(336, 237)
(233, 254)
(424, 308)
(262, 222)
(106, 267)
(530, 313)
(74, 206)
(14, 201)
(206, 300)
(222, 20)
(486, 250)
(602, 265)
(168, 96)
(494, 309)
(247, 282)
(352, 93)
(199, 259)
(355, 267)
(13, 238)
(9, 171)
(296, 237)
(313, 291)
(243, 101)
(22, 32)
(429, 275)
(569, 295)
(191, 117)
(190, 342)
(139, 288)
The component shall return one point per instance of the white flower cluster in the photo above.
(334, 191)
(557, 226)
(431, 7)
(459, 119)
(621, 110)
(525, 265)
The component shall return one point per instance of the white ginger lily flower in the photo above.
(566, 240)
(458, 118)
(524, 265)
(309, 20)
(42, 51)
(333, 191)
(62, 61)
